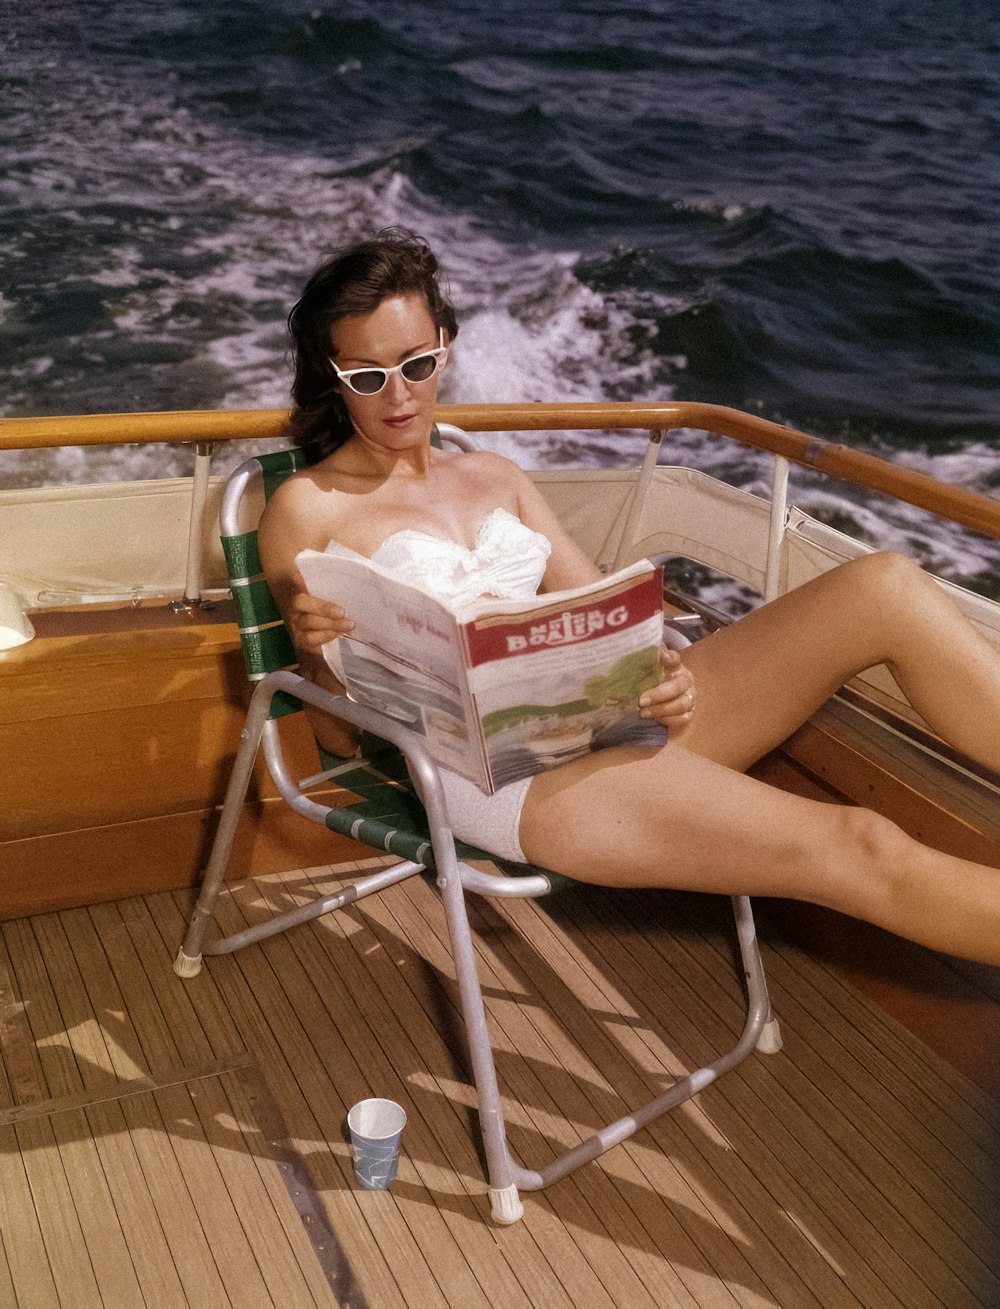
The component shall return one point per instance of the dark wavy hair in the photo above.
(353, 281)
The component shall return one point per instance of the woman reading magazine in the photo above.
(371, 334)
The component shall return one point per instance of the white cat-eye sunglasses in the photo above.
(421, 368)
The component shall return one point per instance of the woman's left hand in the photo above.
(672, 703)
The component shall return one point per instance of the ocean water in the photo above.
(789, 207)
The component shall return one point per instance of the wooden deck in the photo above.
(182, 1143)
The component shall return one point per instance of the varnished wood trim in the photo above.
(91, 865)
(976, 511)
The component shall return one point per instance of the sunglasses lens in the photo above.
(369, 382)
(419, 369)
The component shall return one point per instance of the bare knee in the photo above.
(868, 865)
(878, 840)
(887, 576)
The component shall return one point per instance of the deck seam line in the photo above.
(330, 1254)
(124, 1090)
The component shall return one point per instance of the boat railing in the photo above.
(204, 429)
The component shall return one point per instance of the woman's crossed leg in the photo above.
(687, 817)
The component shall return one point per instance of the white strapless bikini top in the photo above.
(507, 560)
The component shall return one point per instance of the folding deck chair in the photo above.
(389, 817)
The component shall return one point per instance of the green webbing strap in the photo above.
(389, 817)
(279, 466)
(267, 650)
(242, 556)
(264, 638)
(255, 605)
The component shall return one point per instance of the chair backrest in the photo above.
(264, 638)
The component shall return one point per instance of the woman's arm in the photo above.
(672, 702)
(290, 523)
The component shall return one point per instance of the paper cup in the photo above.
(375, 1127)
(15, 628)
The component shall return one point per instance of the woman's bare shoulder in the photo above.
(294, 492)
(496, 469)
(300, 512)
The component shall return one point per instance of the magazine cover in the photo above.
(564, 678)
(500, 689)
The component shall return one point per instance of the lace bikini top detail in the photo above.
(507, 560)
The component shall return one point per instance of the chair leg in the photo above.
(758, 1000)
(505, 1203)
(505, 1177)
(187, 962)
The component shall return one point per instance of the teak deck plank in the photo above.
(293, 1074)
(29, 1272)
(198, 1169)
(7, 1293)
(106, 1245)
(281, 1246)
(658, 1176)
(172, 1200)
(415, 1037)
(135, 1205)
(852, 1169)
(170, 1030)
(22, 1081)
(710, 1205)
(865, 1163)
(396, 1245)
(429, 1226)
(65, 1245)
(601, 1197)
(583, 1273)
(839, 1190)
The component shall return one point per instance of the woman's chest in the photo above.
(445, 510)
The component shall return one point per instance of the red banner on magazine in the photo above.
(565, 623)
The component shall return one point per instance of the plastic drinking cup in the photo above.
(375, 1127)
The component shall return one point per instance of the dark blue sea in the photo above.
(788, 206)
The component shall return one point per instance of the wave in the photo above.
(613, 226)
(771, 318)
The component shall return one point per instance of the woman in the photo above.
(371, 335)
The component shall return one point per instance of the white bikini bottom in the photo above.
(491, 822)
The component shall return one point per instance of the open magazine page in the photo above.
(558, 680)
(404, 658)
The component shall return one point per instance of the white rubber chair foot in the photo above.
(186, 965)
(505, 1204)
(769, 1041)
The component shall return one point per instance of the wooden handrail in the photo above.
(171, 428)
(979, 512)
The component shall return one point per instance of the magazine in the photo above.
(498, 689)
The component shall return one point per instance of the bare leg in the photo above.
(761, 678)
(670, 818)
(683, 817)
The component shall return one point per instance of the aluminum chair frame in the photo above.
(283, 690)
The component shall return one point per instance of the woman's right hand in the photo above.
(312, 622)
